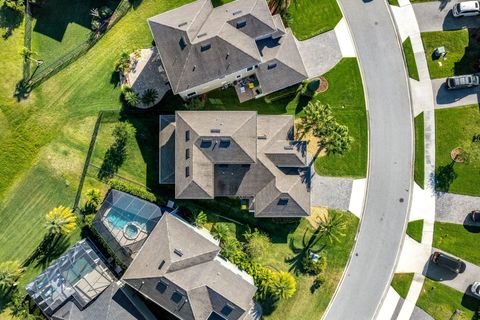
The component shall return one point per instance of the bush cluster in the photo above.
(132, 189)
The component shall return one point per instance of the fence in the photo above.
(45, 72)
(27, 40)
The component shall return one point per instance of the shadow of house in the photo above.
(446, 96)
(54, 16)
(470, 60)
(452, 23)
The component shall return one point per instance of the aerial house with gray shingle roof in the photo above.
(208, 154)
(203, 48)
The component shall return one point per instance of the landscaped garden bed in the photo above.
(457, 128)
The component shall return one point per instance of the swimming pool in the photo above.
(123, 220)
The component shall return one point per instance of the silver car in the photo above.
(465, 81)
(475, 289)
(466, 9)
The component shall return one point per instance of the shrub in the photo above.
(231, 248)
(16, 5)
(220, 231)
(319, 281)
(195, 104)
(149, 97)
(105, 12)
(93, 200)
(132, 189)
(257, 244)
(283, 285)
(95, 24)
(89, 220)
(131, 98)
(10, 271)
(123, 62)
(313, 85)
(314, 267)
(199, 219)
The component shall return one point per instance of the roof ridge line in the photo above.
(196, 15)
(256, 127)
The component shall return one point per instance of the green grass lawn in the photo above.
(345, 96)
(61, 26)
(410, 58)
(458, 240)
(312, 17)
(401, 283)
(414, 230)
(462, 52)
(455, 127)
(393, 2)
(305, 303)
(440, 302)
(419, 173)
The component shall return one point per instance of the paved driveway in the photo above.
(320, 53)
(437, 15)
(460, 282)
(331, 192)
(455, 208)
(445, 98)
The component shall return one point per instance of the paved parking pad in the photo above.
(455, 208)
(437, 16)
(331, 192)
(445, 98)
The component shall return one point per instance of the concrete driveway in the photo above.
(320, 53)
(455, 208)
(445, 98)
(330, 192)
(460, 282)
(437, 15)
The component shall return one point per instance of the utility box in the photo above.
(440, 52)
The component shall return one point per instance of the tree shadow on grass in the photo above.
(308, 245)
(444, 177)
(10, 20)
(50, 248)
(269, 304)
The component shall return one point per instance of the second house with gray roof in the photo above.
(207, 154)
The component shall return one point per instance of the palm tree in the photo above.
(283, 285)
(149, 97)
(131, 98)
(199, 219)
(279, 6)
(93, 198)
(95, 13)
(220, 231)
(331, 226)
(9, 273)
(60, 221)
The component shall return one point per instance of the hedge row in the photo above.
(132, 189)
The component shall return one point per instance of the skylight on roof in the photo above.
(182, 24)
(202, 35)
(241, 24)
(205, 47)
(236, 12)
(178, 252)
(214, 130)
(182, 43)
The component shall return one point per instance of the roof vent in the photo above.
(262, 137)
(214, 130)
(241, 24)
(182, 24)
(161, 264)
(289, 147)
(178, 252)
(202, 35)
(282, 201)
(205, 47)
(236, 12)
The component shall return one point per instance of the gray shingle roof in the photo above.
(178, 268)
(260, 160)
(230, 32)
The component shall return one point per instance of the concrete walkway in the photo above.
(437, 15)
(344, 37)
(445, 98)
(419, 314)
(455, 208)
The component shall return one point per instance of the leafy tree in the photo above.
(93, 199)
(16, 5)
(19, 308)
(331, 226)
(220, 231)
(149, 97)
(283, 285)
(257, 244)
(131, 98)
(200, 219)
(60, 221)
(319, 120)
(105, 12)
(9, 273)
(314, 267)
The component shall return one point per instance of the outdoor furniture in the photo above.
(242, 89)
(251, 85)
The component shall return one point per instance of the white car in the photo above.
(476, 289)
(466, 9)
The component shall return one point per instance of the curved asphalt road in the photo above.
(390, 176)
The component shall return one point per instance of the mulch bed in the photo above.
(323, 85)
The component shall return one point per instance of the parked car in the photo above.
(475, 215)
(466, 9)
(465, 81)
(450, 263)
(475, 289)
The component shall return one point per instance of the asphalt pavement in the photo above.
(437, 16)
(368, 274)
(445, 98)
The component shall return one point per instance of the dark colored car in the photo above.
(475, 215)
(450, 263)
(465, 81)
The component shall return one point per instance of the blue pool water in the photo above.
(118, 219)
